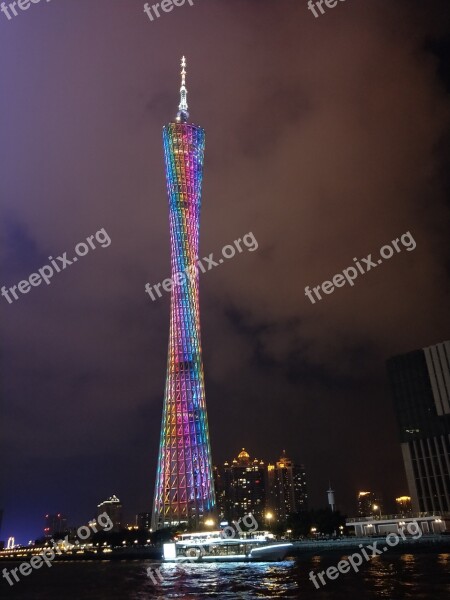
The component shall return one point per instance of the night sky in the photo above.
(327, 138)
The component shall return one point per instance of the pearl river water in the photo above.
(422, 576)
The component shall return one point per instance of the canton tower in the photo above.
(184, 489)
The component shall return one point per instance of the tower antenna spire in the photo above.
(183, 114)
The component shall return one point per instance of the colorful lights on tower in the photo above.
(184, 489)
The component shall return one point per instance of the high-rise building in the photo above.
(144, 520)
(113, 508)
(55, 524)
(420, 382)
(369, 504)
(241, 488)
(287, 488)
(184, 490)
(404, 506)
(220, 491)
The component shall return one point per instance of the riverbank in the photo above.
(427, 543)
(434, 544)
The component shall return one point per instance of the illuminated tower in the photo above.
(184, 490)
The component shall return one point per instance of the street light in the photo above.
(314, 530)
(268, 518)
(376, 507)
(209, 523)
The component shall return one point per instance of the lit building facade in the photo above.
(184, 489)
(420, 382)
(55, 524)
(144, 520)
(368, 504)
(241, 488)
(219, 488)
(114, 509)
(287, 488)
(404, 506)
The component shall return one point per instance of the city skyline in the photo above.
(128, 517)
(418, 378)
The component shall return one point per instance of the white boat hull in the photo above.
(269, 553)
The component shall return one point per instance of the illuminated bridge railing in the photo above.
(417, 515)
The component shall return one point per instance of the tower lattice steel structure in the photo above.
(184, 490)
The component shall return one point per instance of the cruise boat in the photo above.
(215, 547)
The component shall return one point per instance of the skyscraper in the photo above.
(403, 506)
(184, 489)
(369, 504)
(242, 488)
(113, 508)
(55, 524)
(420, 382)
(287, 487)
(144, 520)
